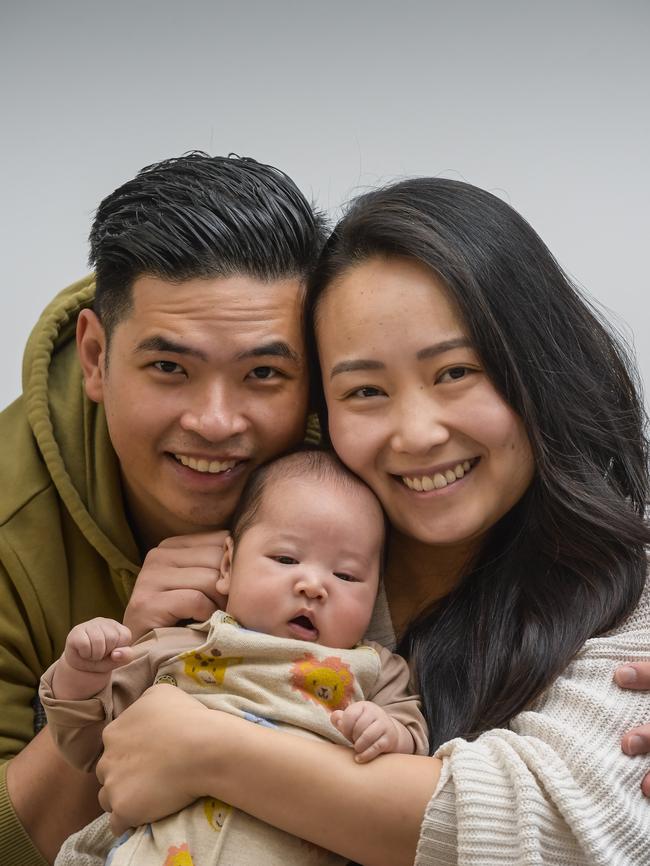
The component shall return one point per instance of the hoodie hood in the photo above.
(71, 431)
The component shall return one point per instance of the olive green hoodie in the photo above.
(66, 550)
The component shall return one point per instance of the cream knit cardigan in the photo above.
(554, 788)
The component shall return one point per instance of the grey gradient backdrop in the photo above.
(546, 104)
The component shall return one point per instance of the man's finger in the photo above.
(633, 675)
(196, 539)
(637, 741)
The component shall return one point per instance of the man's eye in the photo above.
(264, 373)
(343, 576)
(285, 560)
(168, 367)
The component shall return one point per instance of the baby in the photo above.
(300, 570)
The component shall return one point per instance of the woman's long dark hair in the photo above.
(568, 562)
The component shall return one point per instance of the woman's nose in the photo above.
(419, 424)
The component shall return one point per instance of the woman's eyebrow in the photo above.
(444, 346)
(353, 365)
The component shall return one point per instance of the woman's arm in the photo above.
(153, 766)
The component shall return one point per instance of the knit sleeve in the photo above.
(554, 787)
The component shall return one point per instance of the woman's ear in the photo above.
(91, 348)
(225, 569)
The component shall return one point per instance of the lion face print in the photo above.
(328, 682)
(206, 668)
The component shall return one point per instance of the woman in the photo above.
(495, 417)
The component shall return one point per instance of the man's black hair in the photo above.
(199, 216)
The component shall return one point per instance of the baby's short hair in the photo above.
(305, 461)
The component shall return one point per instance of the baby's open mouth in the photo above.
(303, 628)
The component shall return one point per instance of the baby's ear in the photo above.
(225, 569)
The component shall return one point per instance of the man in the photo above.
(188, 371)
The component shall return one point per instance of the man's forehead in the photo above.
(267, 310)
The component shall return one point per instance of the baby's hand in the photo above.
(369, 728)
(98, 646)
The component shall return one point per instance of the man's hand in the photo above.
(177, 581)
(636, 675)
(370, 730)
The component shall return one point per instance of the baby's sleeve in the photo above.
(392, 692)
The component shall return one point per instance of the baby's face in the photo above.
(308, 567)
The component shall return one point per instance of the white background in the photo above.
(546, 104)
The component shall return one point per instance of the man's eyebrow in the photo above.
(428, 352)
(163, 344)
(275, 349)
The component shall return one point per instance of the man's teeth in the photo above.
(439, 480)
(211, 466)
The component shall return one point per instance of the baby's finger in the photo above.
(375, 731)
(373, 751)
(122, 655)
(347, 719)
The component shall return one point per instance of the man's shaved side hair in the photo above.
(304, 462)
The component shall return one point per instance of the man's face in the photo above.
(205, 380)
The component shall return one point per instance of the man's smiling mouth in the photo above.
(203, 465)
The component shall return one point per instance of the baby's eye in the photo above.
(343, 576)
(168, 367)
(285, 560)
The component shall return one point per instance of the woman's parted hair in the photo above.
(568, 561)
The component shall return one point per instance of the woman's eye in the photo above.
(285, 560)
(264, 373)
(365, 392)
(453, 374)
(343, 576)
(168, 367)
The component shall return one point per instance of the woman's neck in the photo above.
(418, 574)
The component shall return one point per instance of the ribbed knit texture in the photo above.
(554, 788)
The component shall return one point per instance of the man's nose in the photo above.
(215, 414)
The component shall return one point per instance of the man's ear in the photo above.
(225, 569)
(91, 348)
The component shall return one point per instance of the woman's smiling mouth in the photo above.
(438, 480)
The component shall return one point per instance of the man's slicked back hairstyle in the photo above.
(199, 216)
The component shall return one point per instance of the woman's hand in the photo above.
(177, 581)
(151, 766)
(636, 675)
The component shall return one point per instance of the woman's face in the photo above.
(411, 410)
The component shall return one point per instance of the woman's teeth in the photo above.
(212, 466)
(439, 479)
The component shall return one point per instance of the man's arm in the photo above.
(50, 798)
